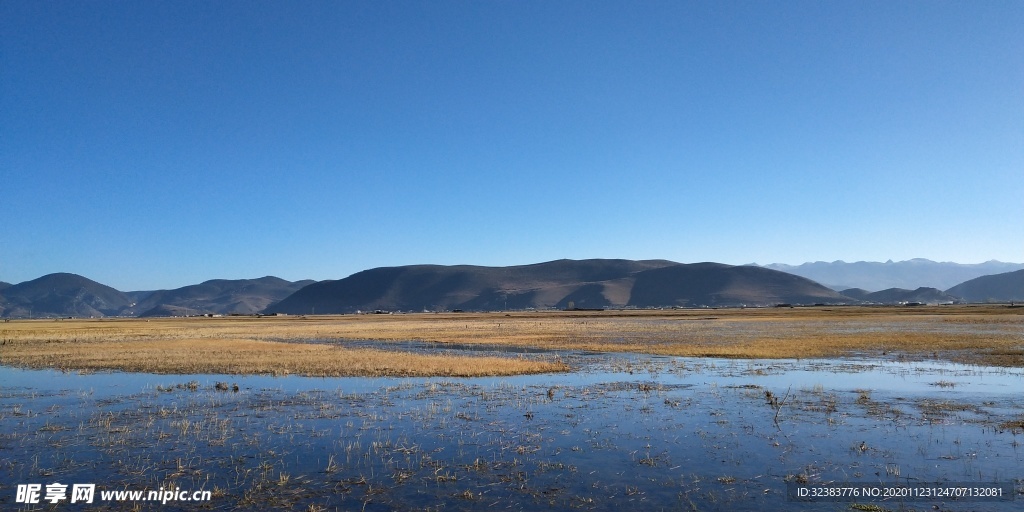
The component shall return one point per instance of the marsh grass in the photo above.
(247, 357)
(1015, 426)
(454, 444)
(987, 335)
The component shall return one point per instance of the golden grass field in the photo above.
(989, 335)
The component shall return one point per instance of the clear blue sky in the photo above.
(155, 144)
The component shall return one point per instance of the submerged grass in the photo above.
(989, 335)
(657, 440)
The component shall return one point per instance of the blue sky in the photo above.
(158, 144)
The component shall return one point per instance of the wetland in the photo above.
(635, 410)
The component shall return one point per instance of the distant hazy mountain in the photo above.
(592, 283)
(855, 293)
(61, 295)
(923, 295)
(218, 296)
(1005, 287)
(911, 274)
(168, 310)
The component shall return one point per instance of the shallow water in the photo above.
(621, 431)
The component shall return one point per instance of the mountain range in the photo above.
(922, 295)
(221, 296)
(563, 284)
(596, 283)
(63, 294)
(909, 274)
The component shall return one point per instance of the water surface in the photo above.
(622, 430)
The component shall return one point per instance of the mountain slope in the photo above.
(923, 295)
(585, 284)
(1005, 287)
(60, 295)
(469, 287)
(855, 293)
(220, 296)
(910, 274)
(715, 284)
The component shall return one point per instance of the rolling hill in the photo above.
(923, 295)
(595, 283)
(61, 295)
(66, 295)
(468, 287)
(715, 284)
(217, 296)
(1005, 287)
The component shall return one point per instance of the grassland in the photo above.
(989, 335)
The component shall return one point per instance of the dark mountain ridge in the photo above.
(1005, 287)
(218, 296)
(64, 295)
(61, 294)
(715, 284)
(594, 283)
(469, 287)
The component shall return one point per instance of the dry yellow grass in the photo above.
(246, 356)
(983, 335)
